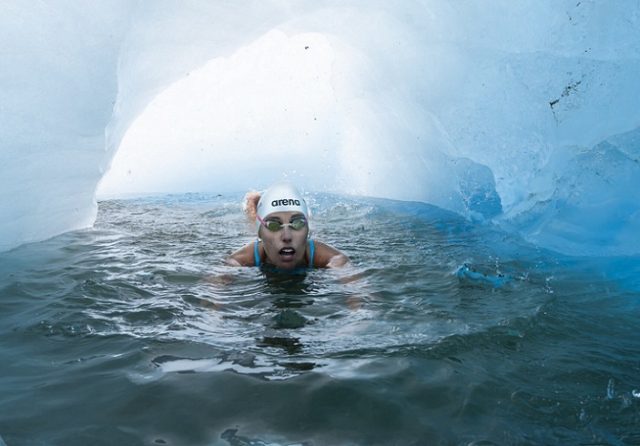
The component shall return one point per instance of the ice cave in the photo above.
(519, 114)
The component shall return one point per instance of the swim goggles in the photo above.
(296, 224)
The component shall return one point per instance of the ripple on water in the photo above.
(439, 328)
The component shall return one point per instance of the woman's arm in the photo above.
(250, 205)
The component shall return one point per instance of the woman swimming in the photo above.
(282, 221)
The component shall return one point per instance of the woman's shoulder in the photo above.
(243, 256)
(326, 256)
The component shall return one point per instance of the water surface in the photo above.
(441, 332)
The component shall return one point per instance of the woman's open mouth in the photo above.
(287, 254)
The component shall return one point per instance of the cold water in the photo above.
(442, 332)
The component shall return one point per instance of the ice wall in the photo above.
(58, 84)
(525, 112)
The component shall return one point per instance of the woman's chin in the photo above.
(287, 262)
(286, 265)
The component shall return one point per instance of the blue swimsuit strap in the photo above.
(256, 252)
(312, 251)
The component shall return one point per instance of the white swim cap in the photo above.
(281, 197)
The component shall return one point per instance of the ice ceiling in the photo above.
(521, 113)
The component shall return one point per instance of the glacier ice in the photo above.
(525, 113)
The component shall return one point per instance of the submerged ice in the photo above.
(524, 114)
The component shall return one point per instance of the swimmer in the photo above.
(282, 223)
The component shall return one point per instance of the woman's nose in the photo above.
(286, 234)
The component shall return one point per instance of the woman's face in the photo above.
(286, 247)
